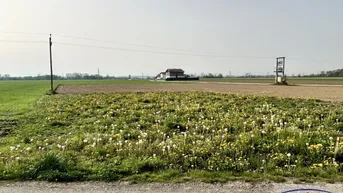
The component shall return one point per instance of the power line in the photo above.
(107, 41)
(25, 33)
(190, 53)
(22, 41)
(158, 52)
(129, 44)
(194, 53)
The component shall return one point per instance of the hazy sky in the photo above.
(309, 30)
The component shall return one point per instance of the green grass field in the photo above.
(296, 81)
(16, 97)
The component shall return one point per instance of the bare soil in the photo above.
(326, 92)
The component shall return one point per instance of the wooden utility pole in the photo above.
(51, 74)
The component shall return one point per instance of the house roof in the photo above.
(175, 70)
(160, 74)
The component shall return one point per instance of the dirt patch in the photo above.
(328, 93)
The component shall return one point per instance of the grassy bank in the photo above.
(180, 136)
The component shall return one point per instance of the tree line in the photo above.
(68, 76)
(330, 73)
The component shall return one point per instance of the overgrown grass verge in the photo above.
(175, 137)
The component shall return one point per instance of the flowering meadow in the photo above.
(118, 135)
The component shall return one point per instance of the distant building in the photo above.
(161, 75)
(174, 74)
